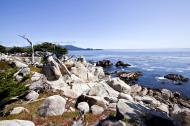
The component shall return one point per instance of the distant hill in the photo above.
(71, 47)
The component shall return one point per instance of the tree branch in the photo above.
(24, 37)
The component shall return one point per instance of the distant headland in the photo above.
(75, 48)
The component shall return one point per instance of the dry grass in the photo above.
(64, 120)
(4, 66)
(35, 69)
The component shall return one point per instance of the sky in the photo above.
(105, 24)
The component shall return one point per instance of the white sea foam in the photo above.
(188, 68)
(158, 67)
(180, 71)
(149, 69)
(133, 66)
(160, 78)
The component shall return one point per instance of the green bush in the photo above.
(2, 49)
(4, 66)
(18, 50)
(46, 46)
(60, 50)
(8, 87)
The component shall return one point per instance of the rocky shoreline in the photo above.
(73, 84)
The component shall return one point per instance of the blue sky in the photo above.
(108, 24)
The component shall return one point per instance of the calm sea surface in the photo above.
(153, 63)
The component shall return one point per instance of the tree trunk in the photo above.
(32, 53)
(31, 44)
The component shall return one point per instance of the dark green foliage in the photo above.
(60, 50)
(2, 49)
(4, 66)
(46, 46)
(18, 50)
(8, 87)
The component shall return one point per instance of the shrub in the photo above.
(46, 46)
(60, 50)
(18, 50)
(2, 49)
(4, 66)
(8, 87)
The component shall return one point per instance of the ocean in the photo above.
(153, 63)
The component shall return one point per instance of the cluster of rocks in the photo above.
(94, 92)
(104, 63)
(121, 64)
(108, 63)
(129, 76)
(176, 77)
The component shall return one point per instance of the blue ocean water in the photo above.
(153, 63)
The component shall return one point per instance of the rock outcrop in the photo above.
(53, 69)
(119, 85)
(102, 89)
(82, 72)
(104, 63)
(176, 77)
(121, 64)
(129, 76)
(52, 106)
(16, 123)
(85, 87)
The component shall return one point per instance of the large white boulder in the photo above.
(98, 72)
(81, 88)
(163, 107)
(36, 76)
(176, 109)
(57, 84)
(150, 100)
(18, 64)
(136, 88)
(166, 94)
(103, 90)
(144, 92)
(71, 79)
(82, 72)
(119, 85)
(18, 110)
(96, 110)
(37, 85)
(32, 95)
(69, 93)
(4, 57)
(23, 72)
(129, 110)
(53, 69)
(125, 96)
(83, 107)
(16, 123)
(52, 106)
